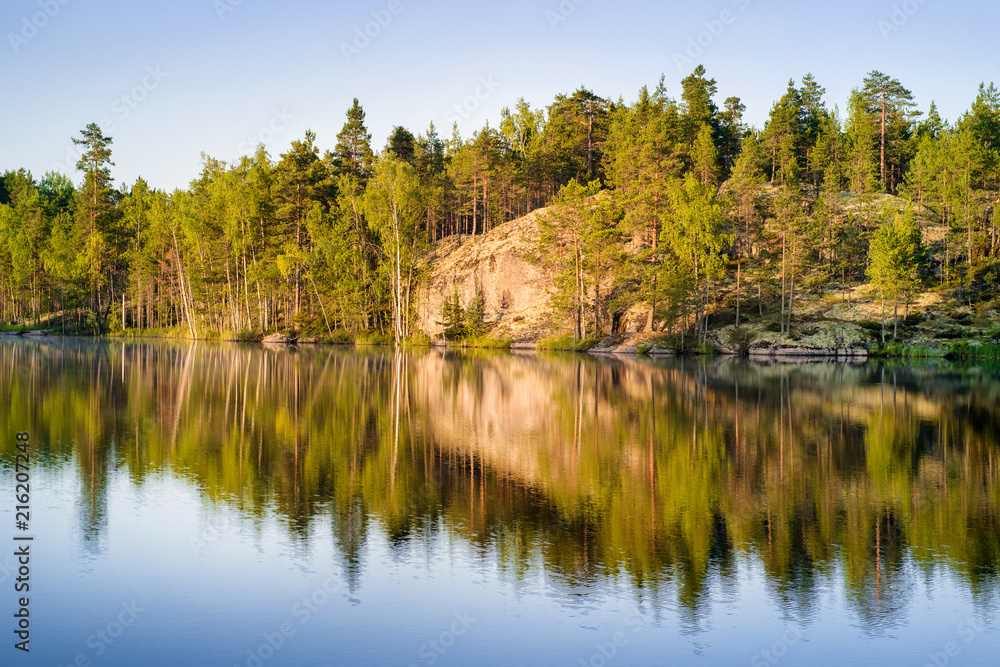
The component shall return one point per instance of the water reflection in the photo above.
(666, 475)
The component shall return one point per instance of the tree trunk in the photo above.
(783, 332)
(739, 275)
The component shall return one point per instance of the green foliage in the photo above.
(896, 256)
(484, 342)
(393, 205)
(676, 203)
(340, 338)
(568, 344)
(689, 495)
(739, 339)
(950, 333)
(463, 322)
(373, 338)
(453, 317)
(580, 238)
(419, 340)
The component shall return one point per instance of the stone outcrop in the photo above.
(629, 343)
(500, 265)
(278, 339)
(841, 340)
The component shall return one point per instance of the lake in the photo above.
(234, 505)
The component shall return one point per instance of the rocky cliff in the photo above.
(504, 266)
(501, 265)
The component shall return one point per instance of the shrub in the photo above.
(341, 338)
(419, 340)
(374, 338)
(949, 334)
(565, 342)
(870, 326)
(484, 342)
(739, 339)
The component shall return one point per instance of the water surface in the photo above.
(199, 504)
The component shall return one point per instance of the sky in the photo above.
(169, 81)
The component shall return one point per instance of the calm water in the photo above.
(232, 505)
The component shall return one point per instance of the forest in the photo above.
(675, 202)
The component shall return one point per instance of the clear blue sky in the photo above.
(171, 80)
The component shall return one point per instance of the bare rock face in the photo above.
(502, 266)
(278, 339)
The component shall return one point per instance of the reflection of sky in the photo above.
(211, 583)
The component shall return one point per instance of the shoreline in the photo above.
(651, 345)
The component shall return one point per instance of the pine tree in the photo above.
(784, 136)
(862, 162)
(896, 254)
(644, 156)
(135, 218)
(353, 152)
(695, 234)
(574, 137)
(698, 107)
(95, 208)
(731, 133)
(302, 180)
(891, 104)
(745, 190)
(705, 157)
(561, 243)
(402, 144)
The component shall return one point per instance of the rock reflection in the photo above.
(667, 475)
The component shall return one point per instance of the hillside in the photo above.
(502, 266)
(515, 284)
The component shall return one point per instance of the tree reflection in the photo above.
(664, 474)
